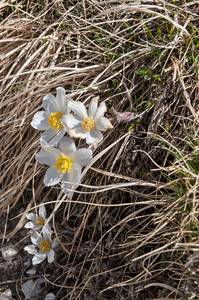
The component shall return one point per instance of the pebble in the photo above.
(31, 271)
(32, 288)
(7, 295)
(50, 296)
(9, 252)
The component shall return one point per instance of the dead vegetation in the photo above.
(130, 231)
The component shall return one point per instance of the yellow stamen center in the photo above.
(54, 120)
(88, 123)
(63, 164)
(40, 221)
(45, 245)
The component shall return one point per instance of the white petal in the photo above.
(67, 146)
(50, 103)
(45, 158)
(50, 149)
(64, 184)
(36, 238)
(51, 254)
(93, 136)
(42, 211)
(47, 135)
(93, 107)
(37, 259)
(40, 120)
(63, 120)
(75, 173)
(70, 121)
(73, 176)
(61, 99)
(59, 135)
(55, 243)
(100, 111)
(52, 177)
(79, 109)
(81, 156)
(68, 110)
(47, 233)
(31, 217)
(31, 249)
(47, 230)
(102, 124)
(78, 132)
(37, 228)
(29, 225)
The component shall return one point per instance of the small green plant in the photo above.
(138, 104)
(142, 171)
(182, 176)
(131, 127)
(144, 72)
(149, 104)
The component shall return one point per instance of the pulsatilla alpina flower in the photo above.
(53, 119)
(45, 245)
(125, 116)
(37, 221)
(88, 125)
(65, 163)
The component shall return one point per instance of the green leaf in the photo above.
(17, 87)
(131, 127)
(149, 32)
(156, 76)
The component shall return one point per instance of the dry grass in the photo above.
(130, 229)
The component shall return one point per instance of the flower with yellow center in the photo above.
(53, 119)
(37, 221)
(65, 163)
(88, 125)
(45, 245)
(40, 221)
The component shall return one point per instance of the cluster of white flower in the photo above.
(62, 157)
(65, 162)
(42, 241)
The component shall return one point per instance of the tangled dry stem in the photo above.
(124, 231)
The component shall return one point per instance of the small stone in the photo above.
(32, 288)
(27, 263)
(7, 295)
(9, 252)
(21, 210)
(50, 296)
(31, 271)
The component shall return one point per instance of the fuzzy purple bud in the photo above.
(125, 116)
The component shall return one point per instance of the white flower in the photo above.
(65, 163)
(45, 245)
(37, 221)
(88, 125)
(53, 120)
